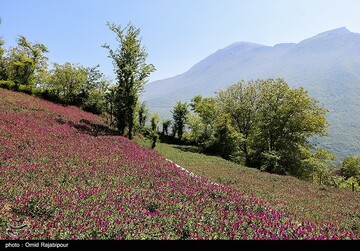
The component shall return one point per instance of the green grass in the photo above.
(306, 200)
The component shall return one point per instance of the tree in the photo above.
(226, 140)
(93, 92)
(350, 167)
(73, 84)
(131, 72)
(318, 164)
(154, 121)
(239, 102)
(196, 127)
(286, 120)
(26, 61)
(165, 126)
(180, 113)
(143, 114)
(203, 121)
(274, 121)
(68, 83)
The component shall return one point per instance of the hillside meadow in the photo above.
(65, 175)
(309, 201)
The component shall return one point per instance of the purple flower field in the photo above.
(64, 176)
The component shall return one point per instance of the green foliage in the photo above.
(180, 113)
(202, 122)
(68, 81)
(94, 91)
(239, 103)
(7, 84)
(165, 126)
(154, 137)
(3, 71)
(307, 200)
(25, 62)
(196, 127)
(131, 71)
(264, 124)
(226, 141)
(155, 121)
(25, 70)
(351, 183)
(317, 165)
(73, 84)
(351, 167)
(143, 113)
(94, 102)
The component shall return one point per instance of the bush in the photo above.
(350, 183)
(350, 167)
(26, 89)
(50, 95)
(36, 92)
(95, 108)
(10, 85)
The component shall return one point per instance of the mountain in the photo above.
(327, 65)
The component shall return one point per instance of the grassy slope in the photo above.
(308, 201)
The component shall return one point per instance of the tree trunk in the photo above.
(130, 121)
(130, 133)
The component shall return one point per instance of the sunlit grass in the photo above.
(306, 200)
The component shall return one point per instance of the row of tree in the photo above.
(25, 68)
(262, 123)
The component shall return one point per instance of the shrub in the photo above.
(7, 84)
(26, 89)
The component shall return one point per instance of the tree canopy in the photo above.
(25, 62)
(264, 122)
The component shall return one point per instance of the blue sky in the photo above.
(176, 33)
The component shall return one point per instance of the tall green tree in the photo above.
(132, 72)
(274, 121)
(180, 113)
(287, 119)
(240, 103)
(26, 61)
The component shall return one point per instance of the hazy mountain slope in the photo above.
(327, 65)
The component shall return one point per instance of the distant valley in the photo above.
(327, 65)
